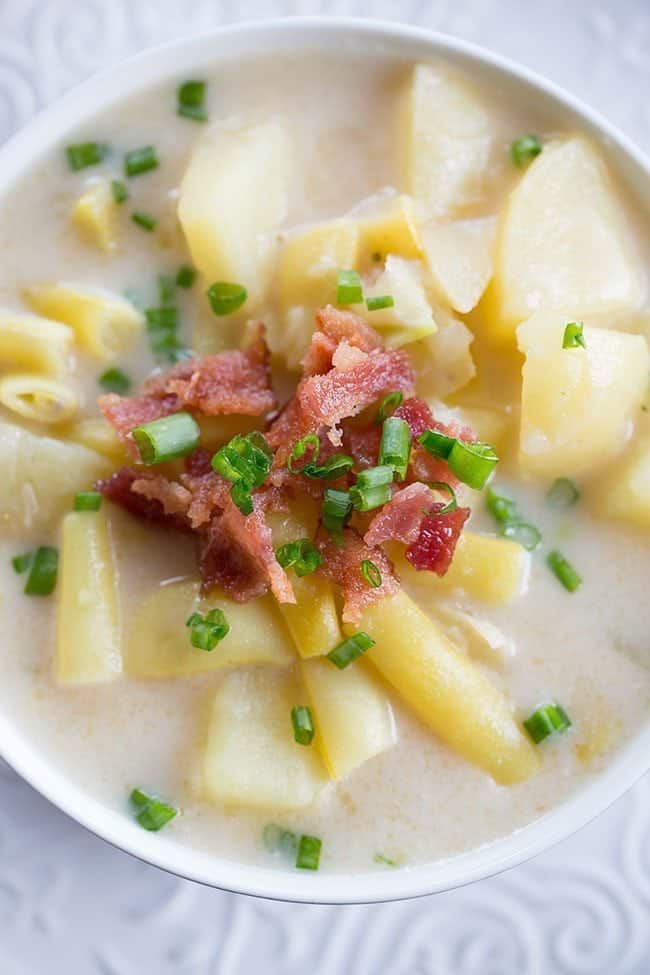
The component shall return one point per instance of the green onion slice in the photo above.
(300, 449)
(337, 508)
(303, 725)
(21, 563)
(395, 445)
(226, 297)
(511, 524)
(525, 149)
(564, 571)
(43, 572)
(245, 460)
(502, 508)
(390, 403)
(279, 840)
(562, 493)
(166, 438)
(384, 860)
(371, 573)
(191, 96)
(379, 302)
(522, 532)
(547, 720)
(573, 336)
(114, 381)
(119, 191)
(166, 289)
(472, 463)
(452, 504)
(166, 317)
(372, 488)
(350, 650)
(144, 220)
(151, 813)
(88, 501)
(437, 443)
(140, 161)
(83, 154)
(348, 288)
(308, 854)
(185, 276)
(209, 630)
(301, 554)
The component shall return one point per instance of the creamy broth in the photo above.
(418, 801)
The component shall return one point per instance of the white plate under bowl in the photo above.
(392, 42)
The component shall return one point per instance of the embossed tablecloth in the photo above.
(71, 904)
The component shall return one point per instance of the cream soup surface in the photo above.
(417, 801)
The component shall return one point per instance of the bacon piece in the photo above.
(362, 443)
(124, 413)
(229, 566)
(424, 466)
(209, 493)
(343, 566)
(174, 498)
(147, 502)
(333, 327)
(400, 519)
(434, 547)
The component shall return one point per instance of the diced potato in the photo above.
(392, 229)
(564, 243)
(448, 141)
(446, 690)
(491, 570)
(482, 640)
(99, 435)
(31, 342)
(88, 647)
(577, 404)
(443, 361)
(625, 495)
(310, 261)
(411, 317)
(251, 758)
(233, 195)
(459, 256)
(41, 477)
(158, 643)
(352, 713)
(39, 399)
(105, 324)
(218, 430)
(95, 216)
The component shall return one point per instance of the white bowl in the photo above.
(388, 41)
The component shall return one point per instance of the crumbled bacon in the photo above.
(342, 564)
(124, 413)
(174, 498)
(119, 488)
(400, 519)
(424, 466)
(435, 545)
(333, 327)
(362, 443)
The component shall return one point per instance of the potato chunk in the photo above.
(390, 228)
(459, 257)
(95, 216)
(563, 242)
(251, 758)
(625, 495)
(34, 343)
(446, 690)
(411, 317)
(448, 141)
(443, 361)
(310, 261)
(159, 644)
(233, 195)
(577, 404)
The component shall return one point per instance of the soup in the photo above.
(326, 453)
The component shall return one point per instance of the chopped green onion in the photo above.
(119, 191)
(206, 631)
(503, 509)
(371, 573)
(185, 276)
(395, 445)
(115, 381)
(279, 840)
(300, 449)
(564, 571)
(43, 572)
(545, 721)
(337, 508)
(166, 317)
(472, 463)
(436, 443)
(166, 289)
(308, 855)
(350, 650)
(144, 220)
(244, 460)
(335, 466)
(191, 95)
(151, 813)
(573, 336)
(562, 493)
(303, 726)
(226, 297)
(390, 403)
(348, 288)
(452, 504)
(384, 860)
(140, 161)
(511, 524)
(21, 563)
(88, 501)
(381, 301)
(166, 438)
(523, 533)
(372, 488)
(525, 149)
(301, 554)
(83, 154)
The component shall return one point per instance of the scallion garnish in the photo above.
(525, 149)
(523, 533)
(350, 650)
(302, 555)
(279, 840)
(140, 161)
(144, 220)
(245, 461)
(384, 860)
(114, 381)
(395, 446)
(83, 154)
(21, 563)
(348, 288)
(452, 504)
(563, 571)
(88, 501)
(168, 437)
(547, 720)
(379, 302)
(191, 96)
(43, 571)
(472, 463)
(372, 488)
(562, 493)
(151, 813)
(309, 443)
(573, 336)
(337, 508)
(166, 289)
(119, 190)
(438, 444)
(303, 726)
(335, 466)
(206, 631)
(185, 276)
(308, 855)
(226, 297)
(511, 524)
(502, 508)
(371, 573)
(388, 405)
(166, 317)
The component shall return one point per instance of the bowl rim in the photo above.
(155, 65)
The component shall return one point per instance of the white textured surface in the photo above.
(69, 902)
